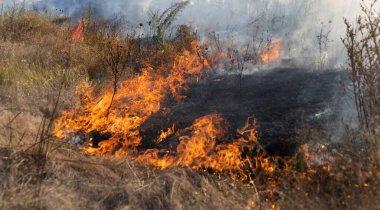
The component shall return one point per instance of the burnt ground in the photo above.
(282, 100)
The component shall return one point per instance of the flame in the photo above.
(165, 134)
(203, 145)
(272, 51)
(78, 33)
(135, 101)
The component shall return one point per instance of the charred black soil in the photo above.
(281, 100)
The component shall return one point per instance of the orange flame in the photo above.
(136, 100)
(78, 33)
(165, 134)
(203, 145)
(272, 51)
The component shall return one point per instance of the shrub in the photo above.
(363, 47)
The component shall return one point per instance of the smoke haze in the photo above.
(296, 22)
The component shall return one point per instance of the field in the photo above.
(92, 118)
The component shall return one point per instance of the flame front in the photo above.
(135, 101)
(203, 145)
(272, 51)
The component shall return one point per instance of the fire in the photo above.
(272, 51)
(165, 134)
(203, 145)
(135, 101)
(78, 33)
(199, 149)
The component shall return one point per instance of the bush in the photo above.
(363, 47)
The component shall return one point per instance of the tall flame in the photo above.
(203, 145)
(272, 51)
(78, 33)
(135, 101)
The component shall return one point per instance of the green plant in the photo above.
(161, 22)
(30, 76)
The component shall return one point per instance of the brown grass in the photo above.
(38, 63)
(39, 172)
(74, 181)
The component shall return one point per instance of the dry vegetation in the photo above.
(40, 66)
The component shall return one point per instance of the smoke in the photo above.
(296, 22)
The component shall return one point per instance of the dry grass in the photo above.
(346, 175)
(40, 172)
(38, 62)
(72, 180)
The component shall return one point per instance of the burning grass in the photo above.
(202, 165)
(121, 115)
(272, 51)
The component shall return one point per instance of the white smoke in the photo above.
(296, 22)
